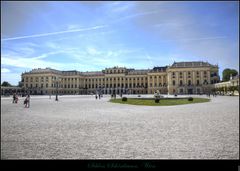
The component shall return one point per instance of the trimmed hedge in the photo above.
(190, 99)
(124, 99)
(157, 100)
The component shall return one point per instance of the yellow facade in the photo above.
(180, 78)
(225, 85)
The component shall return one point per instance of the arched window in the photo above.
(189, 82)
(173, 82)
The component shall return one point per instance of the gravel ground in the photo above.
(80, 127)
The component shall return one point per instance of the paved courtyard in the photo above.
(80, 127)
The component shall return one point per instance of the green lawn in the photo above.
(163, 102)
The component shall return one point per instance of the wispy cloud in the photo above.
(149, 58)
(135, 15)
(5, 70)
(55, 33)
(120, 7)
(200, 38)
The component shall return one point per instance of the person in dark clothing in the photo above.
(14, 98)
(27, 101)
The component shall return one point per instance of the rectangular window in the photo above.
(173, 82)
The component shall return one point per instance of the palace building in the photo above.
(179, 78)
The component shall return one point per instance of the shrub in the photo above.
(157, 100)
(190, 99)
(124, 99)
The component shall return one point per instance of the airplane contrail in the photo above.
(54, 33)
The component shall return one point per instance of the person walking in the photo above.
(96, 96)
(99, 96)
(14, 97)
(27, 101)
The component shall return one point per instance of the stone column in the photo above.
(177, 79)
(193, 77)
(201, 77)
(208, 77)
(132, 85)
(185, 81)
(169, 82)
(162, 80)
(185, 77)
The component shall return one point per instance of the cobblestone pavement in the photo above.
(81, 127)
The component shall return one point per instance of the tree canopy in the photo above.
(20, 84)
(227, 73)
(6, 84)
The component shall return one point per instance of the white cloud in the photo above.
(12, 78)
(120, 7)
(73, 26)
(5, 70)
(131, 16)
(92, 51)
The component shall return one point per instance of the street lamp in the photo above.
(57, 81)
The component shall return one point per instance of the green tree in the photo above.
(20, 84)
(227, 73)
(231, 89)
(6, 84)
(213, 90)
(221, 89)
(236, 88)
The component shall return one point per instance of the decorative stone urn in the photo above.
(157, 96)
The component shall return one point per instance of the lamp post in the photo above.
(57, 81)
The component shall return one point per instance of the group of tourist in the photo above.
(26, 101)
(213, 94)
(98, 96)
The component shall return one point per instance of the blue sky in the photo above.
(90, 36)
